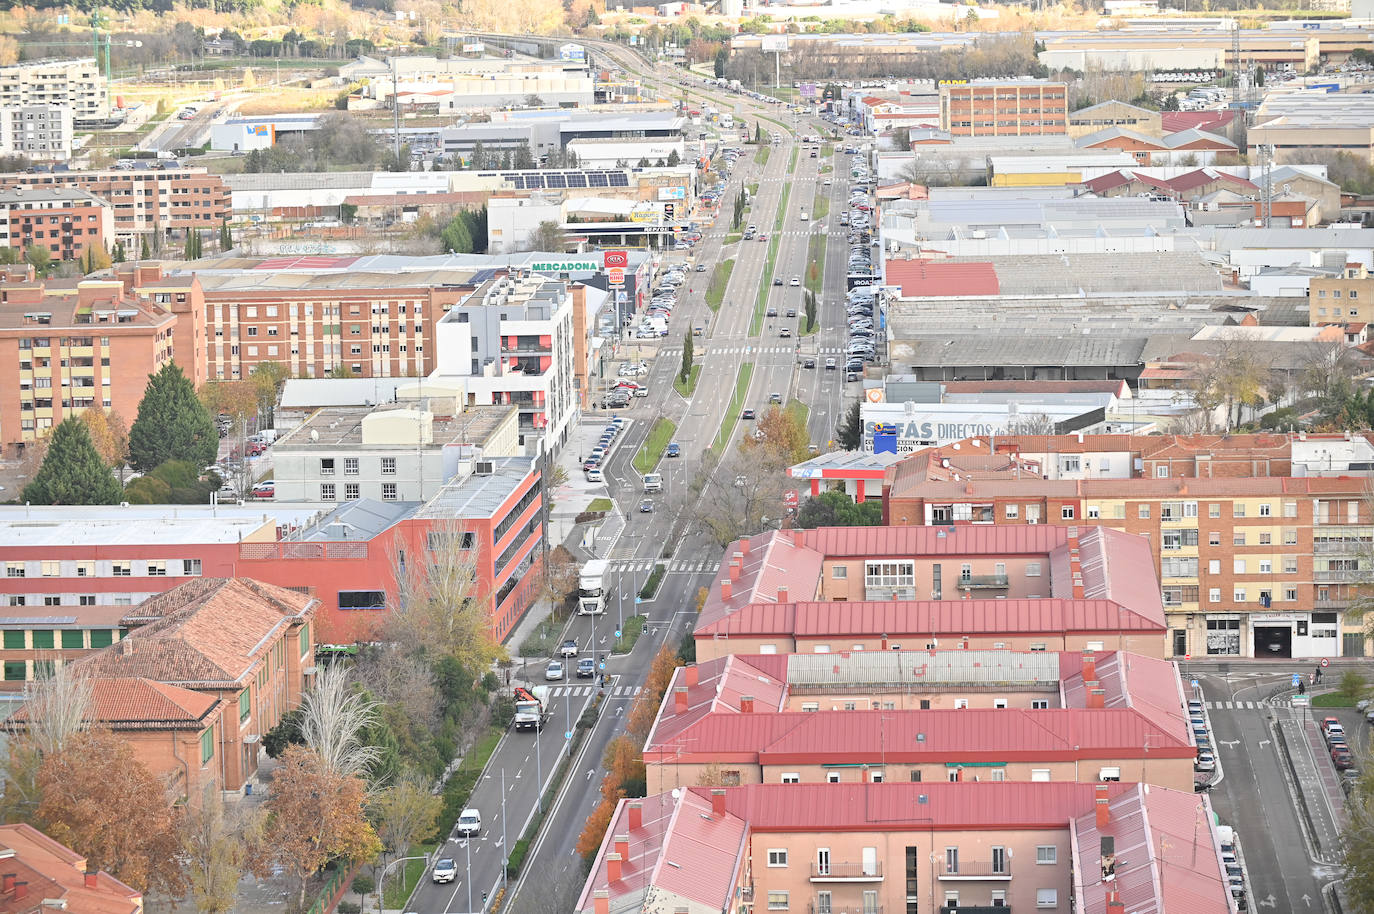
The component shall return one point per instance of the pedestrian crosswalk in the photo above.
(1246, 705)
(643, 566)
(754, 350)
(582, 691)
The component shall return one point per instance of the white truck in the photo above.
(591, 597)
(531, 707)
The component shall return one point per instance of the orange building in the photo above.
(67, 346)
(990, 107)
(65, 220)
(39, 874)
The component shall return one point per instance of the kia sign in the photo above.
(616, 276)
(619, 259)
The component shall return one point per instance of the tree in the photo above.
(437, 604)
(108, 435)
(56, 707)
(645, 708)
(143, 252)
(73, 472)
(39, 258)
(268, 379)
(810, 310)
(172, 423)
(836, 509)
(238, 399)
(849, 433)
(334, 716)
(103, 803)
(120, 254)
(1234, 376)
(674, 159)
(533, 101)
(405, 814)
(317, 815)
(226, 237)
(220, 846)
(195, 245)
(780, 439)
(548, 236)
(92, 259)
(686, 371)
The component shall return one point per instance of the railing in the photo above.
(982, 581)
(976, 909)
(966, 869)
(1340, 547)
(310, 550)
(1330, 576)
(1331, 602)
(813, 907)
(331, 891)
(861, 871)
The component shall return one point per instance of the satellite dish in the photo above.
(677, 792)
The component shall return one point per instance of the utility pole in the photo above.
(396, 112)
(1266, 154)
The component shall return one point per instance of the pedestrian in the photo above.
(507, 677)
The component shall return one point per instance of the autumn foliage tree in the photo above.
(625, 777)
(645, 707)
(316, 815)
(109, 434)
(103, 803)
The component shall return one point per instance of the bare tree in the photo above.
(555, 891)
(334, 718)
(1328, 367)
(57, 707)
(547, 236)
(400, 679)
(220, 846)
(1033, 424)
(438, 602)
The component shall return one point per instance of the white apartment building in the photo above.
(77, 84)
(40, 132)
(511, 343)
(395, 453)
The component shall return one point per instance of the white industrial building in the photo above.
(608, 153)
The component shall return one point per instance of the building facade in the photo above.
(42, 133)
(78, 84)
(39, 874)
(65, 220)
(1004, 108)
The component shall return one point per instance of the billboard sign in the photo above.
(790, 498)
(565, 266)
(616, 276)
(808, 90)
(672, 193)
(773, 43)
(616, 259)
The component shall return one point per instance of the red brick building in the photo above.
(65, 220)
(1004, 108)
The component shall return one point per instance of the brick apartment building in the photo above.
(146, 201)
(68, 346)
(65, 220)
(1252, 561)
(1004, 108)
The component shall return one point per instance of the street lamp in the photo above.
(467, 846)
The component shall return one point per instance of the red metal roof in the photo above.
(901, 806)
(933, 279)
(774, 561)
(1147, 684)
(1178, 121)
(721, 683)
(993, 539)
(1192, 179)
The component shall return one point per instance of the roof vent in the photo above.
(922, 799)
(484, 468)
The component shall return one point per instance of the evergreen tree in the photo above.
(674, 159)
(810, 311)
(523, 157)
(73, 473)
(119, 255)
(849, 433)
(226, 237)
(686, 371)
(172, 423)
(143, 252)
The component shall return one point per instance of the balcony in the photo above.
(1332, 576)
(847, 872)
(1337, 603)
(834, 908)
(976, 909)
(1339, 547)
(983, 582)
(976, 870)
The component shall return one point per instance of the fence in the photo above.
(332, 891)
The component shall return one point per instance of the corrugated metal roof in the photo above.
(999, 539)
(929, 278)
(933, 668)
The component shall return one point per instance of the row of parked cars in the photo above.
(664, 298)
(1334, 732)
(592, 465)
(1197, 720)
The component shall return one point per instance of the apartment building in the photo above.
(65, 347)
(510, 342)
(1344, 299)
(146, 201)
(1250, 565)
(989, 107)
(935, 848)
(40, 873)
(344, 554)
(182, 295)
(390, 453)
(944, 715)
(77, 84)
(42, 133)
(65, 220)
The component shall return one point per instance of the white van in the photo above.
(653, 482)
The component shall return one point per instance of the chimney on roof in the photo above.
(1114, 903)
(7, 883)
(601, 902)
(622, 846)
(744, 546)
(612, 868)
(718, 802)
(1089, 666)
(689, 675)
(1100, 801)
(746, 704)
(727, 590)
(636, 816)
(92, 878)
(799, 537)
(782, 593)
(735, 564)
(679, 699)
(1097, 696)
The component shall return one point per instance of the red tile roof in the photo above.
(56, 875)
(1193, 179)
(141, 704)
(936, 278)
(1177, 121)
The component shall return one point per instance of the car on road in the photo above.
(790, 312)
(741, 481)
(469, 823)
(646, 506)
(777, 280)
(586, 668)
(554, 670)
(796, 281)
(700, 268)
(775, 398)
(830, 364)
(568, 648)
(445, 870)
(747, 414)
(674, 450)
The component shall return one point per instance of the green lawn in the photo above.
(398, 890)
(720, 279)
(727, 425)
(634, 627)
(652, 451)
(732, 237)
(753, 190)
(800, 410)
(601, 504)
(815, 263)
(827, 150)
(686, 390)
(761, 300)
(820, 207)
(761, 155)
(1332, 700)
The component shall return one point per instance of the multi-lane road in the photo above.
(524, 764)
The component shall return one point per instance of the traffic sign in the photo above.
(1297, 678)
(1195, 683)
(790, 498)
(617, 633)
(638, 600)
(1325, 662)
(567, 734)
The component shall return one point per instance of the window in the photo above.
(790, 777)
(351, 491)
(362, 599)
(999, 703)
(1238, 595)
(1162, 471)
(1039, 704)
(14, 569)
(1214, 595)
(1290, 536)
(1238, 509)
(999, 861)
(1011, 511)
(1238, 538)
(157, 568)
(1093, 512)
(1040, 774)
(102, 637)
(1290, 592)
(1265, 510)
(190, 568)
(951, 860)
(14, 640)
(326, 491)
(1214, 538)
(839, 572)
(207, 746)
(85, 569)
(42, 639)
(86, 599)
(1266, 539)
(777, 856)
(1143, 512)
(1290, 509)
(1214, 510)
(326, 466)
(1290, 564)
(1047, 898)
(960, 704)
(73, 639)
(388, 491)
(777, 901)
(1238, 566)
(305, 640)
(1266, 566)
(15, 671)
(350, 466)
(1066, 512)
(245, 704)
(1046, 854)
(52, 569)
(388, 466)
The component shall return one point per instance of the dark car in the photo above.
(791, 312)
(586, 668)
(673, 450)
(777, 280)
(809, 363)
(747, 414)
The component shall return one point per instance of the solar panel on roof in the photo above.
(556, 180)
(596, 179)
(534, 181)
(619, 179)
(577, 179)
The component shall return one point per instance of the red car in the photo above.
(1342, 758)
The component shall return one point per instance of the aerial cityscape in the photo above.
(756, 456)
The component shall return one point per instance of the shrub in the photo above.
(364, 885)
(349, 907)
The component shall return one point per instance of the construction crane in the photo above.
(101, 41)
